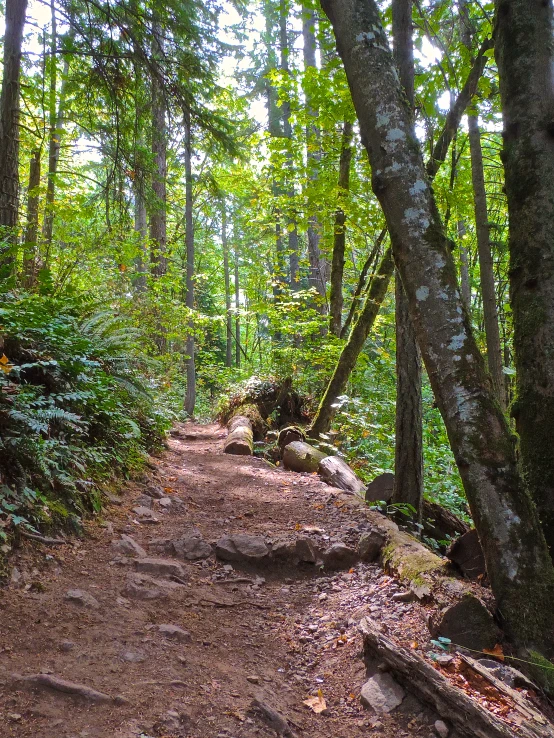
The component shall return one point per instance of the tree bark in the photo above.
(464, 269)
(349, 355)
(158, 215)
(325, 413)
(9, 132)
(190, 396)
(227, 278)
(318, 265)
(237, 309)
(518, 561)
(141, 229)
(408, 453)
(488, 290)
(30, 254)
(339, 244)
(524, 56)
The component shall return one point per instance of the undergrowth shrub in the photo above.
(79, 406)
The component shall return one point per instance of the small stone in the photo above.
(142, 587)
(441, 729)
(128, 546)
(155, 491)
(253, 679)
(144, 501)
(382, 693)
(306, 551)
(248, 549)
(133, 657)
(145, 515)
(162, 567)
(322, 597)
(165, 503)
(66, 646)
(175, 632)
(15, 716)
(408, 596)
(339, 556)
(192, 546)
(80, 597)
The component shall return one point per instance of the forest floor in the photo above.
(276, 634)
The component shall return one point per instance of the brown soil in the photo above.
(280, 639)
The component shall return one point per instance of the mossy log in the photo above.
(301, 457)
(467, 716)
(288, 435)
(240, 440)
(336, 472)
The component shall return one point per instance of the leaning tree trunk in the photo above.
(362, 279)
(347, 359)
(518, 561)
(408, 452)
(339, 243)
(490, 313)
(524, 55)
(9, 132)
(190, 396)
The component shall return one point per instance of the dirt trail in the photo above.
(276, 634)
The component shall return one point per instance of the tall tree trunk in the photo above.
(56, 125)
(490, 314)
(408, 453)
(158, 215)
(141, 229)
(237, 308)
(30, 254)
(524, 56)
(318, 265)
(325, 412)
(517, 558)
(349, 355)
(227, 278)
(339, 243)
(293, 249)
(190, 396)
(9, 132)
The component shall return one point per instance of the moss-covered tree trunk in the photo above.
(339, 242)
(518, 561)
(408, 452)
(525, 60)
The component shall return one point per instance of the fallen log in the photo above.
(240, 440)
(336, 472)
(468, 717)
(301, 457)
(288, 435)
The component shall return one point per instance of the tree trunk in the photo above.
(158, 215)
(408, 454)
(339, 245)
(318, 265)
(227, 278)
(190, 396)
(524, 55)
(292, 230)
(492, 333)
(9, 132)
(237, 309)
(347, 359)
(141, 229)
(361, 285)
(30, 254)
(349, 355)
(464, 269)
(518, 561)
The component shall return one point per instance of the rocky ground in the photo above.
(140, 629)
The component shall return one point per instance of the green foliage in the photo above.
(78, 407)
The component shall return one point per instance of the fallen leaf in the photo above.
(317, 703)
(414, 645)
(496, 651)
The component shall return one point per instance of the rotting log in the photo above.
(301, 457)
(240, 440)
(288, 435)
(336, 472)
(468, 717)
